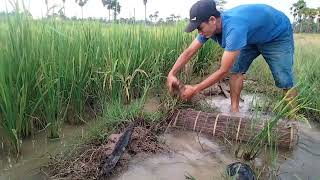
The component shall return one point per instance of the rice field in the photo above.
(57, 72)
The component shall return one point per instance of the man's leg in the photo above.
(240, 67)
(279, 55)
(236, 85)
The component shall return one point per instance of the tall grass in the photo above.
(52, 72)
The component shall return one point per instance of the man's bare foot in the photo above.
(290, 97)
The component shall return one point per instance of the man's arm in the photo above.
(227, 62)
(181, 61)
(185, 56)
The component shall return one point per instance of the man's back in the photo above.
(250, 24)
(262, 22)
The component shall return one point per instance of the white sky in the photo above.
(94, 8)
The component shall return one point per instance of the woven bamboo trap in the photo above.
(238, 128)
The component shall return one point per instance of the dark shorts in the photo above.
(278, 54)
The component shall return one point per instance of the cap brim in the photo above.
(192, 26)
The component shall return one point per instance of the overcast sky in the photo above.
(94, 8)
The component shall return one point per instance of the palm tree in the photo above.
(112, 5)
(61, 13)
(151, 17)
(46, 1)
(145, 10)
(64, 8)
(173, 17)
(297, 12)
(49, 9)
(116, 8)
(220, 4)
(81, 3)
(160, 21)
(178, 18)
(107, 3)
(156, 15)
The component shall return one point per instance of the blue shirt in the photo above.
(249, 24)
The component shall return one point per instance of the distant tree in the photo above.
(81, 3)
(172, 17)
(50, 10)
(64, 7)
(220, 5)
(108, 4)
(310, 14)
(145, 9)
(151, 17)
(113, 5)
(305, 19)
(156, 15)
(297, 10)
(160, 21)
(178, 18)
(318, 15)
(47, 6)
(116, 8)
(61, 13)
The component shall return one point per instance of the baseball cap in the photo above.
(200, 12)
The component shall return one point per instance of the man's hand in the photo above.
(188, 92)
(181, 61)
(171, 81)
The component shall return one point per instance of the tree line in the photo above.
(113, 8)
(306, 20)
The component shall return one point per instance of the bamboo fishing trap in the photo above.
(238, 128)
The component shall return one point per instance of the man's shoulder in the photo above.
(247, 7)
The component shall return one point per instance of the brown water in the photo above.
(35, 153)
(187, 156)
(222, 104)
(205, 162)
(303, 162)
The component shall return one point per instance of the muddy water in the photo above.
(35, 153)
(303, 162)
(188, 157)
(222, 104)
(191, 155)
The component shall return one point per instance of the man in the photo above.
(244, 32)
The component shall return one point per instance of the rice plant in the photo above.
(52, 72)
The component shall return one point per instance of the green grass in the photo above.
(52, 72)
